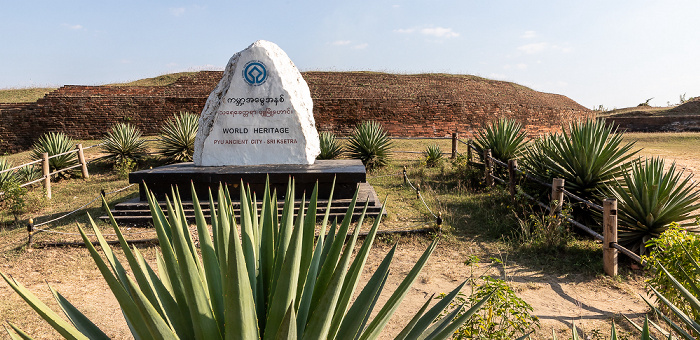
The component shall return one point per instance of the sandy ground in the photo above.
(559, 301)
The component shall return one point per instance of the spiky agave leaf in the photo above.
(55, 143)
(7, 176)
(330, 146)
(589, 156)
(176, 139)
(651, 198)
(505, 137)
(433, 155)
(370, 143)
(230, 288)
(123, 142)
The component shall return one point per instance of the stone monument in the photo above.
(261, 112)
(257, 124)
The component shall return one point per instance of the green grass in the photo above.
(27, 95)
(162, 80)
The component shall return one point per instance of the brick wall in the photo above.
(430, 105)
(677, 123)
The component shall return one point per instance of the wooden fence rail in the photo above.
(46, 173)
(609, 208)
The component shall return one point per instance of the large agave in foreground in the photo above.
(651, 198)
(265, 278)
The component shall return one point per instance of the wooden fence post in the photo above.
(81, 158)
(609, 236)
(557, 195)
(46, 172)
(454, 145)
(469, 151)
(512, 165)
(488, 168)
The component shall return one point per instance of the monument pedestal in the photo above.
(347, 174)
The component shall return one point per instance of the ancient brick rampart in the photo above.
(430, 105)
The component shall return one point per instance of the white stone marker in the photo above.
(261, 112)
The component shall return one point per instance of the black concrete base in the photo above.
(347, 174)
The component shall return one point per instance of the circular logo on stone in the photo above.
(255, 73)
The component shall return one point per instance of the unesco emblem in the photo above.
(255, 73)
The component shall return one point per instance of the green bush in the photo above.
(433, 156)
(471, 176)
(505, 137)
(273, 280)
(330, 146)
(544, 232)
(504, 317)
(176, 139)
(650, 198)
(675, 249)
(124, 142)
(55, 143)
(370, 144)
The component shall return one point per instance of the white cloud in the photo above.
(341, 42)
(405, 30)
(177, 11)
(437, 32)
(360, 46)
(73, 27)
(529, 35)
(395, 6)
(440, 32)
(533, 48)
(519, 66)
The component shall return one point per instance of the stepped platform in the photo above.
(137, 213)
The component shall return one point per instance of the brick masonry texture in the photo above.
(427, 105)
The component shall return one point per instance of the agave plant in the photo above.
(330, 146)
(589, 156)
(7, 176)
(651, 198)
(505, 137)
(28, 173)
(433, 155)
(55, 143)
(124, 142)
(176, 140)
(265, 278)
(370, 144)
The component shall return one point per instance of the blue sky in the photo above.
(611, 53)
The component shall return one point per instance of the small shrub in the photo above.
(675, 249)
(14, 199)
(543, 231)
(55, 143)
(123, 143)
(330, 146)
(176, 140)
(370, 144)
(124, 166)
(433, 156)
(471, 176)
